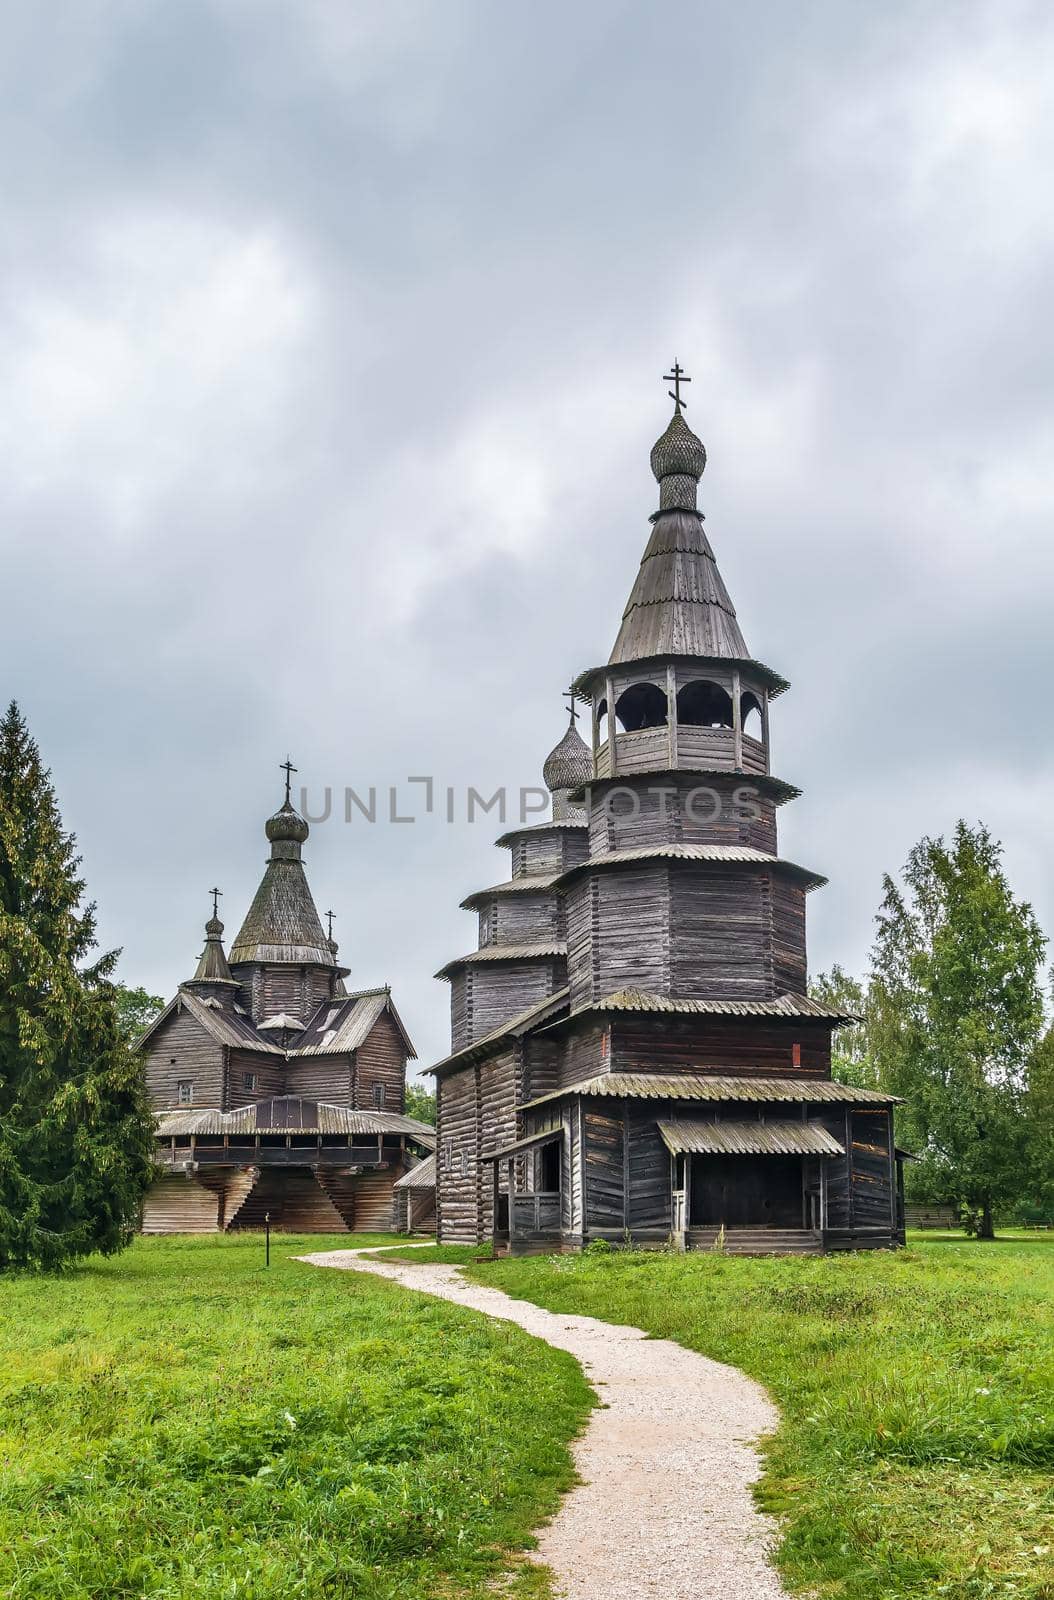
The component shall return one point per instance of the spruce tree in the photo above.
(76, 1135)
(954, 1015)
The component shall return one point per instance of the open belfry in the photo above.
(279, 1094)
(635, 1056)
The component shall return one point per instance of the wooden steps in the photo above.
(240, 1186)
(340, 1188)
(758, 1241)
(177, 1204)
(294, 1200)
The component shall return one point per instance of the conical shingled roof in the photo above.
(283, 923)
(212, 965)
(679, 604)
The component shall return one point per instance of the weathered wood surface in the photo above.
(380, 1063)
(181, 1051)
(680, 744)
(672, 808)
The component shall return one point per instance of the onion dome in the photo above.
(286, 824)
(283, 924)
(679, 605)
(212, 965)
(570, 764)
(678, 460)
(567, 768)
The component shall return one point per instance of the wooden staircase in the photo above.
(758, 1241)
(295, 1201)
(239, 1187)
(340, 1188)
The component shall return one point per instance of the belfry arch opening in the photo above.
(704, 704)
(642, 705)
(750, 716)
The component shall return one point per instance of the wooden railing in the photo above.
(536, 1213)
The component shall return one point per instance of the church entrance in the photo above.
(746, 1192)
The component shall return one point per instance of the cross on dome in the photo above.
(677, 377)
(288, 768)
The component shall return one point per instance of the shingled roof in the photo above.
(337, 1027)
(679, 604)
(283, 923)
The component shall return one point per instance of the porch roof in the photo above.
(749, 1139)
(423, 1176)
(533, 1141)
(717, 1087)
(291, 1114)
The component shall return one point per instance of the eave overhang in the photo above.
(699, 854)
(529, 883)
(595, 677)
(531, 830)
(504, 952)
(718, 1087)
(774, 789)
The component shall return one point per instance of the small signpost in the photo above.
(267, 1238)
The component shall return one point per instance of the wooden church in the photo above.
(278, 1092)
(635, 1056)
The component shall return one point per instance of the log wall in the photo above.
(488, 994)
(176, 1204)
(326, 1078)
(181, 1049)
(270, 1078)
(381, 1062)
(457, 1200)
(719, 933)
(753, 1046)
(676, 808)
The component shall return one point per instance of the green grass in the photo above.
(181, 1424)
(915, 1452)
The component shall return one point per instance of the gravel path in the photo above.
(664, 1507)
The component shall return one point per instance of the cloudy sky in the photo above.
(331, 342)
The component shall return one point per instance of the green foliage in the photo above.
(915, 1452)
(1038, 1204)
(421, 1103)
(76, 1136)
(955, 1012)
(136, 1010)
(850, 1056)
(182, 1422)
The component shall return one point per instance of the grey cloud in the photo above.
(330, 341)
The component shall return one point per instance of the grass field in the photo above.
(181, 1424)
(916, 1448)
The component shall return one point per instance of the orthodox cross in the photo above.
(215, 893)
(676, 377)
(571, 697)
(329, 926)
(288, 768)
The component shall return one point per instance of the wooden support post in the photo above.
(612, 738)
(737, 723)
(495, 1192)
(671, 715)
(823, 1194)
(765, 725)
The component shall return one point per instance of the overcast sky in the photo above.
(331, 342)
